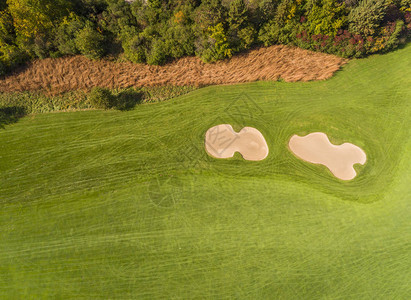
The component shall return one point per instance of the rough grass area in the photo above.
(40, 102)
(268, 63)
(118, 205)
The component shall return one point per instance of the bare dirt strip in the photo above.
(57, 75)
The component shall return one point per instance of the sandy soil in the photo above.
(267, 63)
(222, 141)
(339, 159)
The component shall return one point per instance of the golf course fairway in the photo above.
(128, 205)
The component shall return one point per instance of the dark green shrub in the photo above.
(269, 33)
(3, 68)
(7, 33)
(65, 34)
(135, 49)
(264, 11)
(150, 12)
(247, 36)
(90, 42)
(367, 16)
(10, 114)
(101, 98)
(241, 33)
(117, 16)
(179, 41)
(209, 14)
(128, 99)
(10, 57)
(237, 14)
(42, 46)
(158, 53)
(134, 44)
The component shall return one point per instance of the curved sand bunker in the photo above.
(316, 148)
(222, 141)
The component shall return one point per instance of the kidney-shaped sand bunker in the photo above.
(222, 141)
(339, 159)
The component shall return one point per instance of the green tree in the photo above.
(90, 42)
(134, 45)
(326, 17)
(65, 34)
(367, 16)
(241, 34)
(7, 35)
(32, 17)
(216, 46)
(34, 21)
(117, 16)
(209, 14)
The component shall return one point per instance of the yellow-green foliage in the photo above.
(32, 17)
(326, 17)
(405, 5)
(288, 10)
(221, 47)
(6, 27)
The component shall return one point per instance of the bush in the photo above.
(10, 114)
(367, 16)
(241, 34)
(10, 57)
(158, 53)
(389, 37)
(269, 33)
(65, 34)
(264, 11)
(101, 98)
(288, 11)
(179, 41)
(117, 16)
(209, 14)
(127, 99)
(134, 45)
(6, 28)
(90, 42)
(247, 37)
(215, 46)
(135, 49)
(393, 41)
(326, 17)
(42, 46)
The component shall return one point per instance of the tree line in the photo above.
(156, 31)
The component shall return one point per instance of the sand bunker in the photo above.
(222, 141)
(316, 148)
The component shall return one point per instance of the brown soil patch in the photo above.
(339, 159)
(270, 63)
(222, 141)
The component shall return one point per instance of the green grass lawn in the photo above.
(114, 205)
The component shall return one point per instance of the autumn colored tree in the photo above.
(32, 18)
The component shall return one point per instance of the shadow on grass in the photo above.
(128, 99)
(10, 115)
